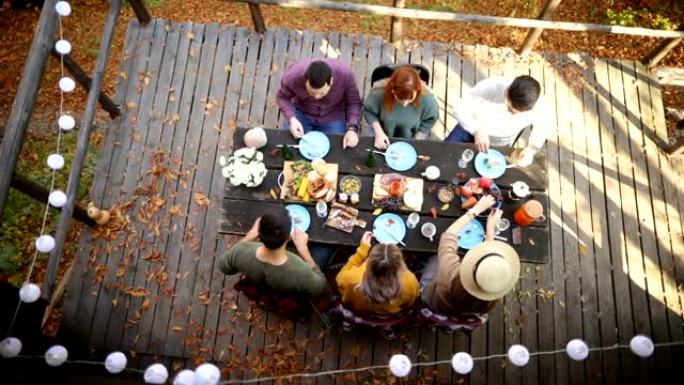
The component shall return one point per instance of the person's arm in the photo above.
(353, 101)
(492, 220)
(253, 233)
(285, 95)
(301, 242)
(226, 262)
(448, 243)
(357, 259)
(372, 107)
(542, 122)
(429, 116)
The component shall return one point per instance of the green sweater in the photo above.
(292, 276)
(401, 122)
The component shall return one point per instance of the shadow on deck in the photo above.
(152, 286)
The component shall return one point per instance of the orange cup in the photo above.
(530, 211)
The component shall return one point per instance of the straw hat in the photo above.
(489, 270)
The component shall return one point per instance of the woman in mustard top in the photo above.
(376, 280)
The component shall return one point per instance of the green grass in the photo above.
(22, 216)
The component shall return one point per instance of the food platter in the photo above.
(397, 192)
(475, 188)
(305, 181)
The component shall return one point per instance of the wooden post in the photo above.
(140, 11)
(40, 193)
(84, 80)
(397, 30)
(257, 18)
(665, 46)
(26, 97)
(534, 34)
(82, 145)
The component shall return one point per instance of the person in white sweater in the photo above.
(497, 109)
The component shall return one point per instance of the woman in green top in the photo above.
(404, 107)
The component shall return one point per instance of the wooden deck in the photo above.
(152, 287)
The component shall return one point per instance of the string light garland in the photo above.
(399, 365)
(30, 292)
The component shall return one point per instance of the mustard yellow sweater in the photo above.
(351, 275)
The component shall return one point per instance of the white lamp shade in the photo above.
(66, 122)
(400, 365)
(63, 8)
(63, 46)
(641, 345)
(207, 374)
(57, 198)
(10, 347)
(56, 355)
(55, 161)
(462, 363)
(67, 84)
(577, 350)
(29, 292)
(185, 377)
(518, 355)
(156, 374)
(116, 362)
(45, 243)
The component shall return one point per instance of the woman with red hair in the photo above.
(402, 106)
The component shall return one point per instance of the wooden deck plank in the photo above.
(625, 325)
(168, 186)
(82, 275)
(454, 80)
(541, 70)
(187, 251)
(247, 86)
(440, 75)
(149, 185)
(358, 65)
(258, 104)
(601, 308)
(556, 224)
(117, 194)
(276, 73)
(209, 183)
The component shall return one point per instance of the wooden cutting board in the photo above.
(415, 184)
(288, 176)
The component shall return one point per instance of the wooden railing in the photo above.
(537, 25)
(22, 109)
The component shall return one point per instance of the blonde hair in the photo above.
(381, 281)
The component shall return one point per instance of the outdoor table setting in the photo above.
(407, 195)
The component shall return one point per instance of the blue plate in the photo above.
(484, 169)
(314, 145)
(389, 228)
(472, 235)
(301, 219)
(401, 156)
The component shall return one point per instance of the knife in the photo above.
(391, 235)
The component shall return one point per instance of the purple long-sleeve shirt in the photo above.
(342, 102)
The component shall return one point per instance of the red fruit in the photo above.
(466, 191)
(485, 182)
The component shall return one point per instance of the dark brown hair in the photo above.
(381, 282)
(402, 84)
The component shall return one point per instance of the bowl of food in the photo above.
(445, 194)
(350, 184)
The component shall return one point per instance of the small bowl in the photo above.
(350, 192)
(445, 194)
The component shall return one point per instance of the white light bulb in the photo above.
(63, 8)
(10, 347)
(185, 377)
(462, 363)
(45, 243)
(400, 365)
(56, 355)
(67, 84)
(55, 161)
(57, 198)
(66, 122)
(518, 355)
(641, 345)
(156, 374)
(115, 362)
(577, 349)
(63, 47)
(29, 292)
(207, 374)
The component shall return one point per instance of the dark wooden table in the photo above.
(242, 205)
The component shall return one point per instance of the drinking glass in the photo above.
(502, 225)
(412, 220)
(466, 157)
(321, 209)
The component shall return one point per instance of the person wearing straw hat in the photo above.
(453, 286)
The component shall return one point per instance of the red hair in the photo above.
(402, 84)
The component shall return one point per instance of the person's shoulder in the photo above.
(298, 68)
(501, 81)
(244, 248)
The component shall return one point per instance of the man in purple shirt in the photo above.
(321, 96)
